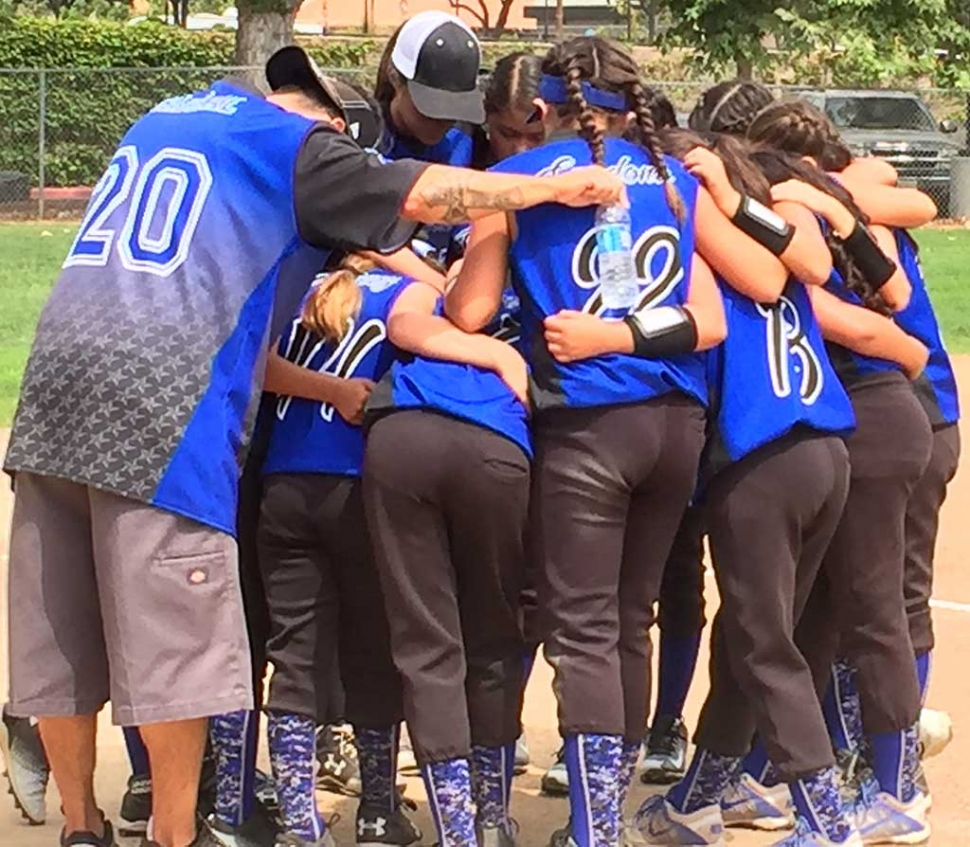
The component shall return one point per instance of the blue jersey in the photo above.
(457, 390)
(312, 437)
(456, 148)
(936, 387)
(849, 365)
(553, 265)
(771, 375)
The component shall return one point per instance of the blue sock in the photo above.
(629, 755)
(818, 801)
(705, 781)
(678, 659)
(757, 764)
(528, 663)
(233, 738)
(842, 709)
(293, 754)
(889, 762)
(491, 769)
(137, 752)
(450, 799)
(594, 765)
(377, 755)
(924, 662)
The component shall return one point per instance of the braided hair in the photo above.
(799, 127)
(730, 107)
(779, 166)
(604, 65)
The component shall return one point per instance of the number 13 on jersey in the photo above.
(163, 199)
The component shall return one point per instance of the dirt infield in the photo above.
(948, 774)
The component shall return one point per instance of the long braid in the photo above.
(588, 128)
(650, 142)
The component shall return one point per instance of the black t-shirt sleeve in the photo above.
(348, 199)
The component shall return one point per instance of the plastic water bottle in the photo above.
(616, 270)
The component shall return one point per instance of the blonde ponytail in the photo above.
(335, 302)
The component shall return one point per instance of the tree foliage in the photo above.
(852, 41)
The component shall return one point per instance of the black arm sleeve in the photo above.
(348, 199)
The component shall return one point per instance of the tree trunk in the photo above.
(261, 33)
(560, 20)
(745, 68)
(503, 16)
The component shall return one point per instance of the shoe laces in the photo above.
(343, 737)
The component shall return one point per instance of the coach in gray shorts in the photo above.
(137, 404)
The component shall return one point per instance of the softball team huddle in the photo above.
(462, 455)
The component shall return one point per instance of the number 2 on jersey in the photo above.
(164, 195)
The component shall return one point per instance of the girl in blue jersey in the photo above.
(775, 481)
(446, 486)
(412, 130)
(618, 436)
(321, 583)
(864, 567)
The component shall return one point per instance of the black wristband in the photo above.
(766, 227)
(663, 332)
(865, 251)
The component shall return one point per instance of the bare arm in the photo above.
(807, 256)
(413, 326)
(347, 396)
(285, 377)
(572, 335)
(477, 294)
(889, 205)
(863, 331)
(869, 169)
(735, 256)
(443, 194)
(406, 263)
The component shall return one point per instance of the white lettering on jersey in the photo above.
(784, 338)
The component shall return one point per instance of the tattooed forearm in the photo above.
(460, 194)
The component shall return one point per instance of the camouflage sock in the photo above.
(449, 790)
(377, 755)
(707, 778)
(233, 738)
(819, 802)
(293, 754)
(491, 784)
(594, 765)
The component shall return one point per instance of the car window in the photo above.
(879, 113)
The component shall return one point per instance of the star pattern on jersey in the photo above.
(109, 389)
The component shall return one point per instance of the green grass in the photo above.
(31, 255)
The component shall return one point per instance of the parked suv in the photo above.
(896, 126)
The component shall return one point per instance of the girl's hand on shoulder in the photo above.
(707, 166)
(571, 336)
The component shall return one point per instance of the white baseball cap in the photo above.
(439, 56)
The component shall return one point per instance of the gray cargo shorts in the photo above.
(113, 599)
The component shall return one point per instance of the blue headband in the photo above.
(553, 89)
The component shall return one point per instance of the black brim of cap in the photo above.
(292, 66)
(468, 106)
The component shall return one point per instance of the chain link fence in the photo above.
(58, 129)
